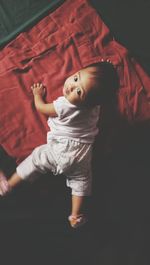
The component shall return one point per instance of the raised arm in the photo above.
(44, 108)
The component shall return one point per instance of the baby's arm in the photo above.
(41, 106)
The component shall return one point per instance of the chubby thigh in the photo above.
(40, 161)
(61, 156)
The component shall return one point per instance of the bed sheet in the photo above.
(64, 41)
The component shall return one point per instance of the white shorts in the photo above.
(63, 156)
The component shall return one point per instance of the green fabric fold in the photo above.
(16, 16)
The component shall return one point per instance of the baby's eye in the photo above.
(78, 91)
(75, 78)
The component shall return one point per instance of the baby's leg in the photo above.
(36, 163)
(81, 190)
(14, 180)
(77, 205)
(77, 217)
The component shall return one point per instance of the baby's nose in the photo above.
(71, 87)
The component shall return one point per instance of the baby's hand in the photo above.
(38, 89)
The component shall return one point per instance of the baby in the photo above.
(72, 119)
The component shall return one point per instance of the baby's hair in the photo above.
(105, 83)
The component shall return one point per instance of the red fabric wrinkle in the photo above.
(71, 37)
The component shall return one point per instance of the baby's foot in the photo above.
(77, 221)
(4, 186)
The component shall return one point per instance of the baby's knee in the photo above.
(80, 188)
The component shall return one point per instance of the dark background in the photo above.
(33, 224)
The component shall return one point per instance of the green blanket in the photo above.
(17, 15)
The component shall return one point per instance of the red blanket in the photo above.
(66, 40)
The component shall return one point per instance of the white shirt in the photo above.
(73, 122)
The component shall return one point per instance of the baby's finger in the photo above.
(108, 60)
(33, 86)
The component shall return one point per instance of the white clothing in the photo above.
(68, 149)
(63, 156)
(73, 122)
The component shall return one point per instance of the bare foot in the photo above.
(4, 186)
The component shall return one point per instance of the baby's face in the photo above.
(77, 86)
